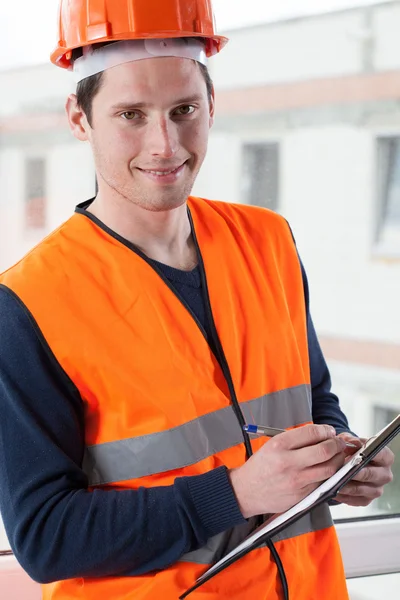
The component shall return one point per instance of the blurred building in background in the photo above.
(308, 124)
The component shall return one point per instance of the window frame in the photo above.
(30, 156)
(370, 545)
(263, 140)
(381, 249)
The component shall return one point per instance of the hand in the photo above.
(369, 483)
(286, 469)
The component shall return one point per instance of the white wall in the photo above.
(328, 195)
(70, 180)
(308, 48)
(293, 50)
(43, 86)
(387, 40)
(219, 178)
(11, 217)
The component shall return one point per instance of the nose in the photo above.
(163, 137)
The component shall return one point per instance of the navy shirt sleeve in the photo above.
(57, 528)
(325, 404)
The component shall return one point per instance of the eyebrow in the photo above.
(133, 104)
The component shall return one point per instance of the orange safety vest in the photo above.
(131, 338)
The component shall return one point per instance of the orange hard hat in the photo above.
(86, 22)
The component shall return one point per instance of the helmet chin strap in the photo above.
(97, 60)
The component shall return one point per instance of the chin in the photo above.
(166, 204)
(161, 202)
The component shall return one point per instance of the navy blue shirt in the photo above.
(56, 527)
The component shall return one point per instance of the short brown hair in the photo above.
(88, 88)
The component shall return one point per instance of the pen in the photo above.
(260, 430)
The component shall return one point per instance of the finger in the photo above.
(373, 475)
(309, 435)
(322, 472)
(349, 437)
(356, 442)
(363, 490)
(385, 458)
(320, 453)
(353, 500)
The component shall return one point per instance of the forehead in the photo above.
(154, 80)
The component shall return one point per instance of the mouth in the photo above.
(163, 175)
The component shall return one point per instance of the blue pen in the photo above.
(259, 430)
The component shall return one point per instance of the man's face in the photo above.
(151, 121)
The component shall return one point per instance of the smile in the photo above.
(164, 176)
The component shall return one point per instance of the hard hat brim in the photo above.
(62, 56)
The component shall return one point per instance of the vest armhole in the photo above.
(58, 370)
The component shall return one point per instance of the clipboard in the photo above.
(323, 493)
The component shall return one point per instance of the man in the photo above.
(138, 338)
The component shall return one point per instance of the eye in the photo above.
(185, 110)
(130, 115)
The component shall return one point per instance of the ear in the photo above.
(212, 108)
(77, 119)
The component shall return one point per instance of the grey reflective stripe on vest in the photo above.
(194, 441)
(283, 409)
(220, 545)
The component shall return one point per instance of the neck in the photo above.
(164, 236)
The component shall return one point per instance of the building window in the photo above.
(388, 225)
(35, 193)
(260, 175)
